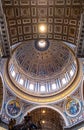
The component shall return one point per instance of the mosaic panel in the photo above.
(62, 16)
(13, 108)
(73, 107)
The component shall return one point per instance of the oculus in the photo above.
(41, 45)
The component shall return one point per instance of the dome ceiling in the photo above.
(45, 73)
(60, 17)
(43, 66)
(43, 63)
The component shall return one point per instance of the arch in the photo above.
(1, 93)
(82, 90)
(47, 106)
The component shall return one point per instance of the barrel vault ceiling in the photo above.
(61, 17)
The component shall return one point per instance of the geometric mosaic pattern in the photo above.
(61, 17)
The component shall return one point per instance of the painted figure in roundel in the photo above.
(72, 106)
(13, 108)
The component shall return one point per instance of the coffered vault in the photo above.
(60, 17)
